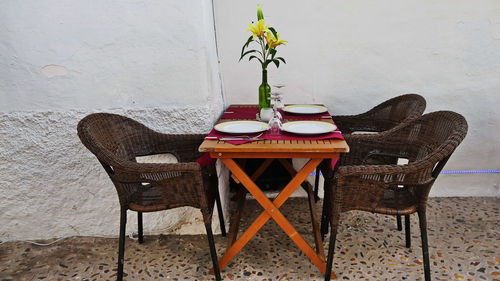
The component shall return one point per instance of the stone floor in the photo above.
(464, 237)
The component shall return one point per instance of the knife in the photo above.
(240, 139)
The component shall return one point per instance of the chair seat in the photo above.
(148, 200)
(398, 201)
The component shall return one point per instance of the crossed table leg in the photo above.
(271, 210)
(241, 194)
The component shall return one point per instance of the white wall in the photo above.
(352, 55)
(154, 61)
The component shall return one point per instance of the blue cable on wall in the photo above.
(458, 172)
(471, 172)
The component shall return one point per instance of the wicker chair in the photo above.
(385, 116)
(426, 142)
(116, 141)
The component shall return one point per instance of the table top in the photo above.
(257, 149)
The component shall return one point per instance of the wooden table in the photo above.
(315, 150)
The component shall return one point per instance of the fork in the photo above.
(243, 137)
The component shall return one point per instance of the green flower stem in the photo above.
(264, 54)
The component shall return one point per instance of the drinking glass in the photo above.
(278, 101)
(275, 122)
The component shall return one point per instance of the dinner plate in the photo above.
(241, 127)
(308, 127)
(305, 109)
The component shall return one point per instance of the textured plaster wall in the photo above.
(352, 55)
(154, 61)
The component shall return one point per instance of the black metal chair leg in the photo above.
(331, 249)
(213, 252)
(316, 185)
(140, 232)
(121, 243)
(221, 215)
(425, 247)
(398, 222)
(328, 188)
(407, 231)
(325, 214)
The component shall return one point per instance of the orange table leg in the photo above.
(258, 172)
(314, 219)
(235, 222)
(272, 211)
(261, 169)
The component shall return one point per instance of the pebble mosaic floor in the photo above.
(464, 241)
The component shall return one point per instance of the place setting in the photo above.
(238, 132)
(290, 122)
(288, 112)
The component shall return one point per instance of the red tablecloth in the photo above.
(250, 112)
(242, 113)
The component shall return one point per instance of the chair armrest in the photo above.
(366, 122)
(189, 183)
(361, 147)
(378, 149)
(183, 146)
(370, 170)
(141, 168)
(346, 123)
(153, 173)
(416, 173)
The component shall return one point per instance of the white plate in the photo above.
(305, 109)
(308, 127)
(241, 127)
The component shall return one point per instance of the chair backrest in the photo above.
(385, 116)
(114, 139)
(397, 110)
(433, 136)
(427, 143)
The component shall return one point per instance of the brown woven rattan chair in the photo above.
(427, 143)
(385, 116)
(116, 141)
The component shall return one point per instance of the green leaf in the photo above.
(274, 32)
(281, 59)
(250, 39)
(254, 57)
(277, 63)
(273, 53)
(246, 53)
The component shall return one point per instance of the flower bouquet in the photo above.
(267, 39)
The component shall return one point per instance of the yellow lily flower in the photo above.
(259, 28)
(273, 41)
